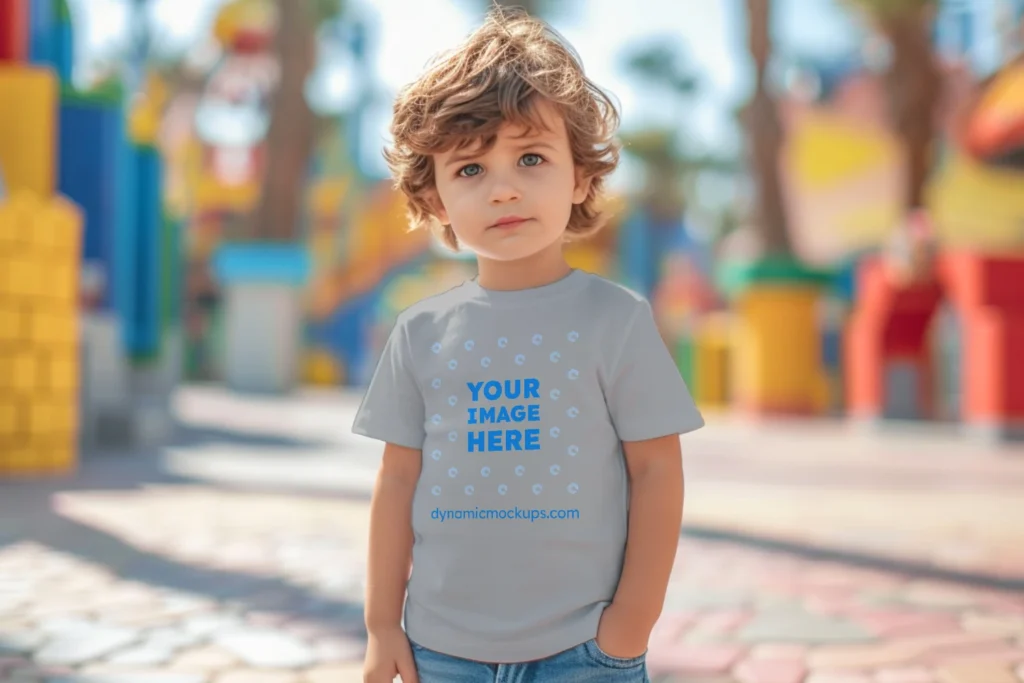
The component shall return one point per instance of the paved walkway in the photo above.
(919, 496)
(236, 556)
(927, 497)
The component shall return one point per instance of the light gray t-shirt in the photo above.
(519, 401)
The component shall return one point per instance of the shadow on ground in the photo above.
(29, 514)
(195, 435)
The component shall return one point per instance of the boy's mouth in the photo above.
(509, 222)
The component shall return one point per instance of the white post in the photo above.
(264, 288)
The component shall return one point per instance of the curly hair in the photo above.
(493, 78)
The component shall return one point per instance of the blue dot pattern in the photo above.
(520, 405)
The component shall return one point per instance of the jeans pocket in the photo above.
(601, 657)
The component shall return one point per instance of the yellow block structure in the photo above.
(777, 359)
(29, 98)
(711, 362)
(39, 255)
(321, 369)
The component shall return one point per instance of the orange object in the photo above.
(14, 30)
(997, 124)
(994, 387)
(890, 324)
(989, 292)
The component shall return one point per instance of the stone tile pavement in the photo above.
(236, 556)
(923, 497)
(183, 584)
(927, 498)
(199, 585)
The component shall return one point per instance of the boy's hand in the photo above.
(620, 634)
(388, 654)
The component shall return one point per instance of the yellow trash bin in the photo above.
(777, 363)
(777, 344)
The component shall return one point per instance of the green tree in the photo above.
(671, 170)
(549, 10)
(293, 124)
(661, 63)
(913, 82)
(765, 136)
(533, 7)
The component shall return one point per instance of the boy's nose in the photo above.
(502, 192)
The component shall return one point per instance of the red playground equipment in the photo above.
(890, 329)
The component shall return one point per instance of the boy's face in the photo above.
(514, 200)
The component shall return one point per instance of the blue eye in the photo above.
(532, 160)
(470, 170)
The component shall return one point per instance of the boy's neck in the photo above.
(543, 268)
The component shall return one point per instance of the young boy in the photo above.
(532, 476)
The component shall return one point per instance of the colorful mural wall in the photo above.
(88, 258)
(922, 350)
(844, 180)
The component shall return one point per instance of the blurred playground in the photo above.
(201, 259)
(873, 271)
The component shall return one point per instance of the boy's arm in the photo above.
(390, 556)
(655, 517)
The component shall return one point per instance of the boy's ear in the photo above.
(433, 200)
(582, 187)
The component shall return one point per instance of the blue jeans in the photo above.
(584, 663)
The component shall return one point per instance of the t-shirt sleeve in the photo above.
(646, 396)
(392, 407)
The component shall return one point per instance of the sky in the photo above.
(711, 33)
